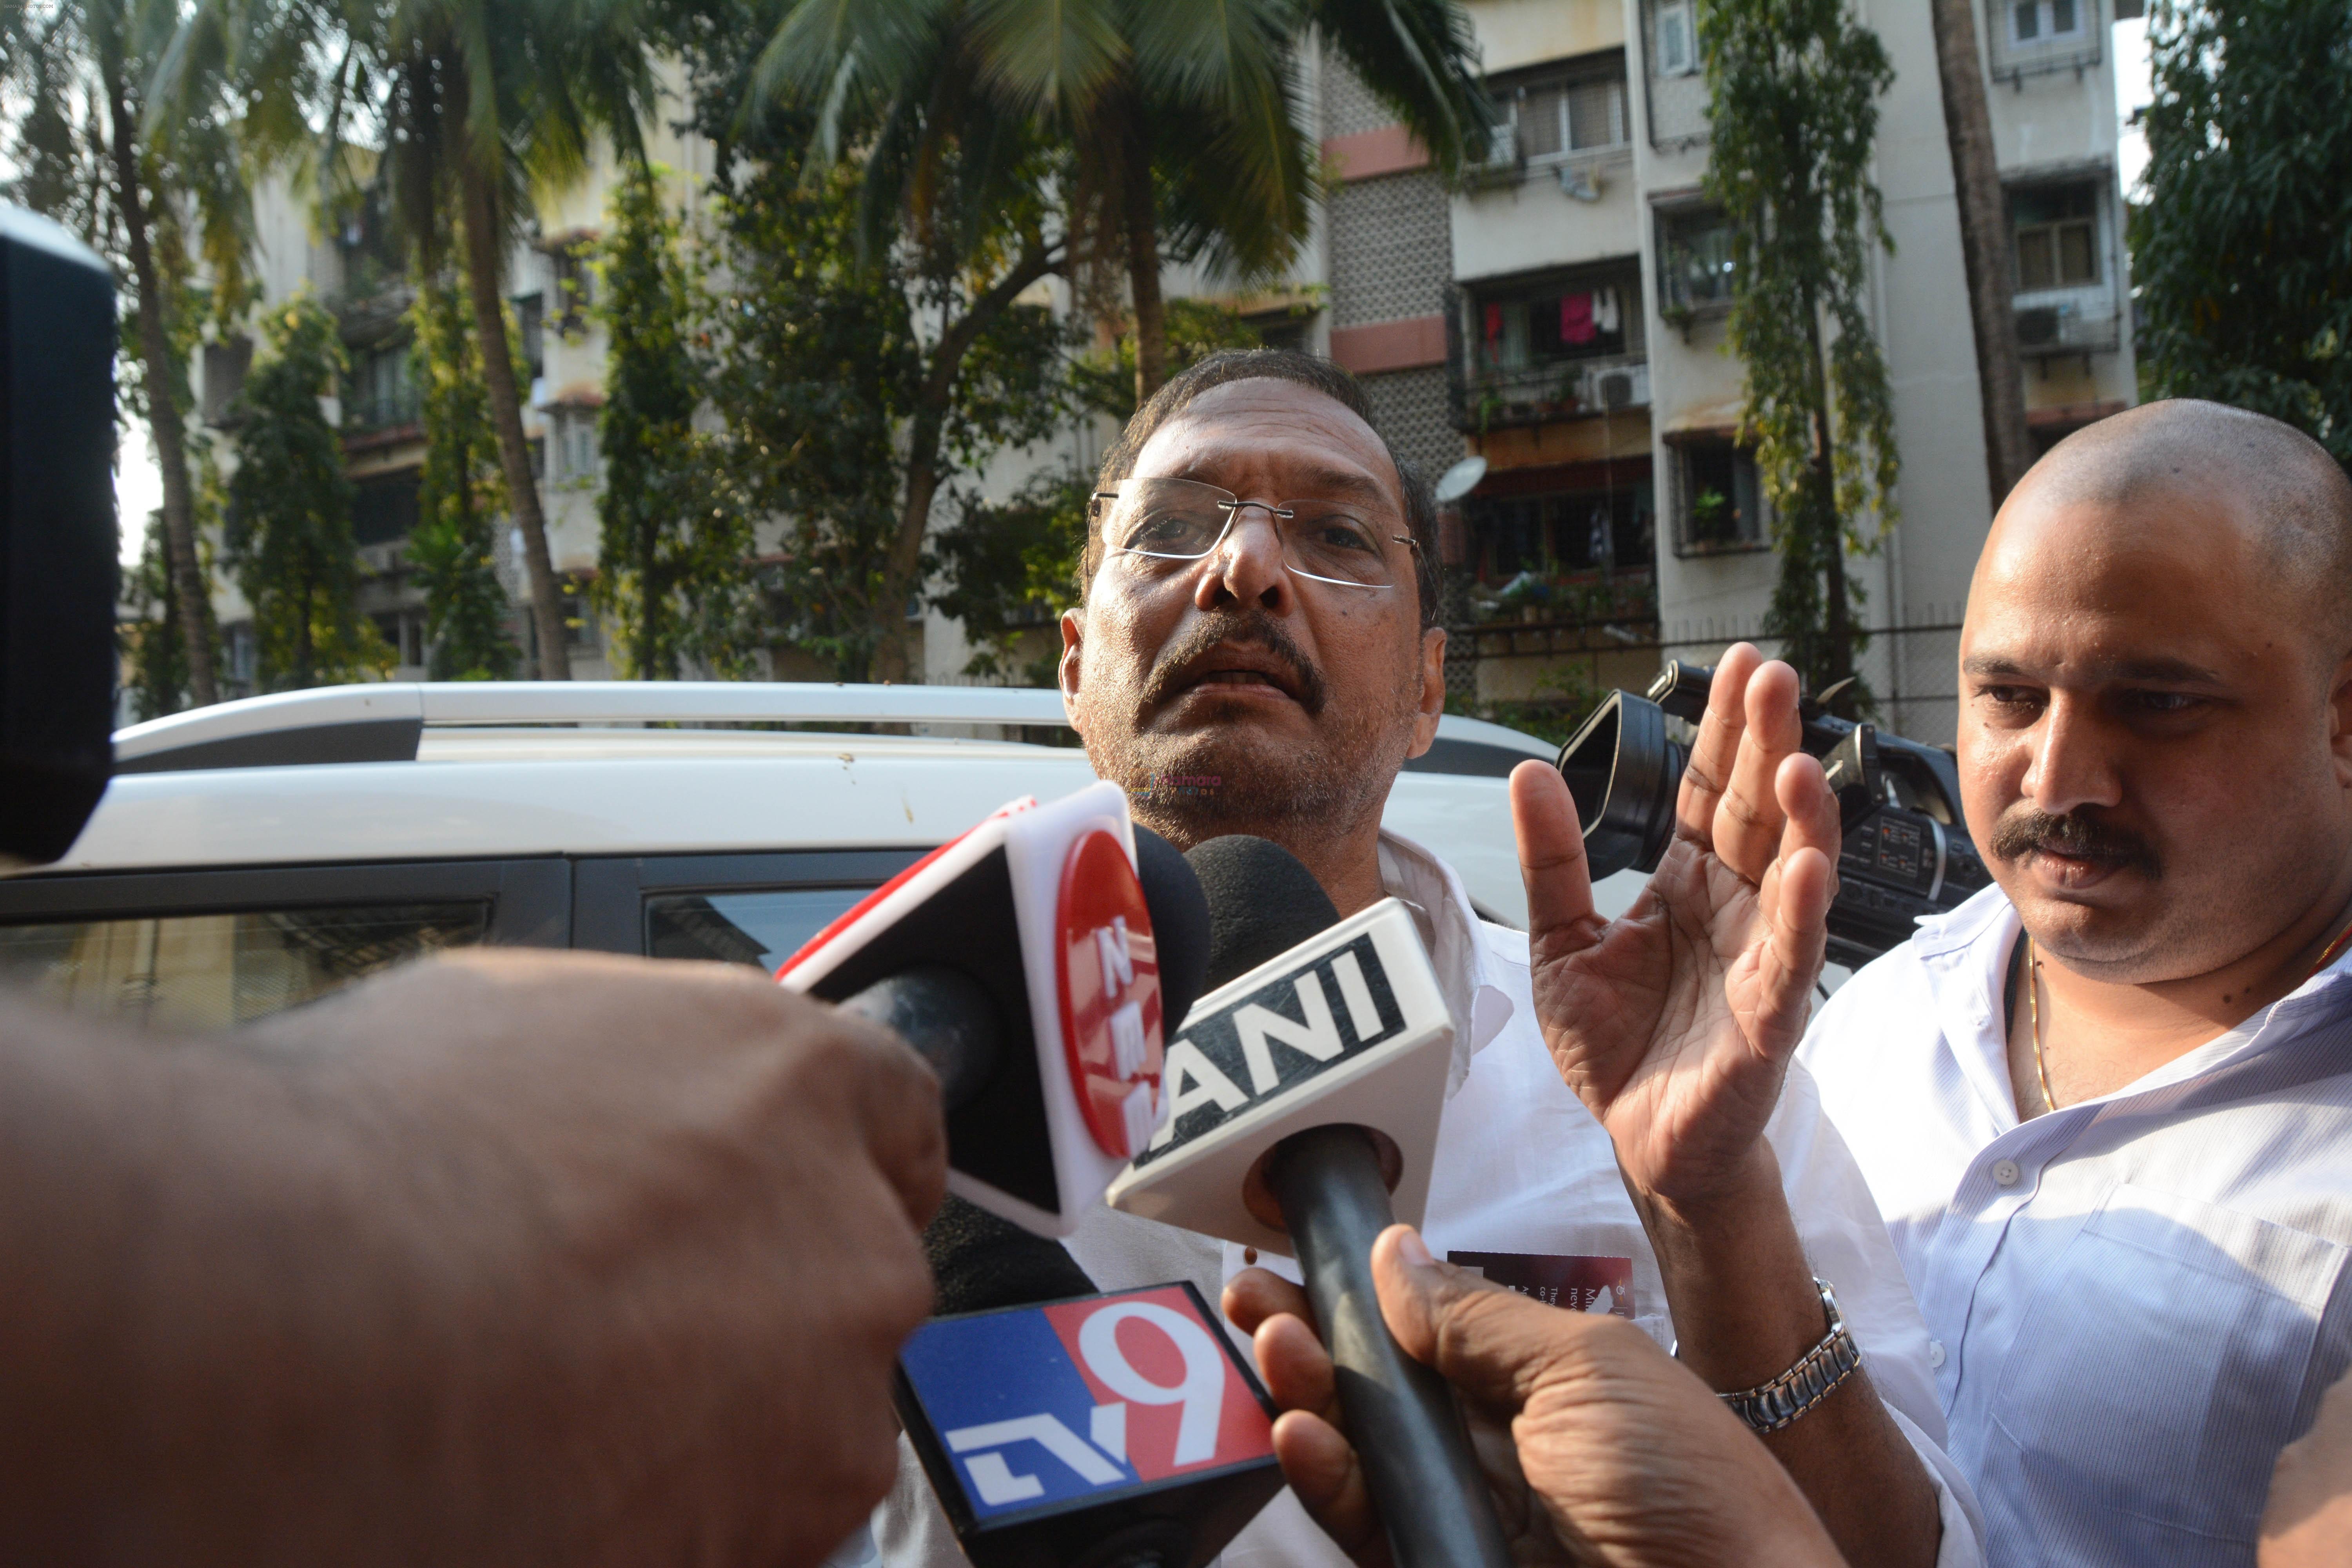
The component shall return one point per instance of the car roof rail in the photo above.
(383, 722)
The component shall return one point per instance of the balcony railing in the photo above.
(2060, 327)
(384, 412)
(1485, 399)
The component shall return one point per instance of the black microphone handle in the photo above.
(1401, 1416)
(947, 1015)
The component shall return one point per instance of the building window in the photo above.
(2057, 229)
(2032, 21)
(404, 633)
(1719, 500)
(1548, 325)
(1675, 51)
(383, 507)
(225, 364)
(383, 388)
(575, 444)
(531, 321)
(575, 285)
(1695, 259)
(1563, 113)
(1565, 532)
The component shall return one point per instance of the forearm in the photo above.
(195, 1307)
(1744, 1311)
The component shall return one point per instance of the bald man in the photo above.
(2105, 1105)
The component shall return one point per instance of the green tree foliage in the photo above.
(463, 108)
(288, 538)
(460, 495)
(153, 653)
(1174, 117)
(2243, 254)
(1793, 88)
(818, 365)
(156, 179)
(856, 387)
(676, 576)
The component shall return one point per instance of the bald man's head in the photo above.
(2287, 486)
(2155, 723)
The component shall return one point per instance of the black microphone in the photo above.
(1305, 1159)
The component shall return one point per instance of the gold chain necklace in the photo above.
(2327, 955)
(2033, 1015)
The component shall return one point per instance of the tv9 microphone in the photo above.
(1035, 960)
(1304, 1097)
(1061, 1428)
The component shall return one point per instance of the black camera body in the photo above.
(1907, 852)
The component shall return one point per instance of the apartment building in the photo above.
(358, 272)
(1561, 317)
(1558, 315)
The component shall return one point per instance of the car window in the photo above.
(216, 970)
(761, 928)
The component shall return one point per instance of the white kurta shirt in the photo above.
(1522, 1168)
(2136, 1301)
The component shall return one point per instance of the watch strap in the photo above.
(1769, 1407)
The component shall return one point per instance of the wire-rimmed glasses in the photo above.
(1163, 523)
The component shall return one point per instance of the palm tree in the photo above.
(97, 158)
(1984, 245)
(1178, 115)
(471, 105)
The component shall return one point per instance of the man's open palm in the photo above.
(1675, 1024)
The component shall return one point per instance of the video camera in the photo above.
(1907, 852)
(57, 337)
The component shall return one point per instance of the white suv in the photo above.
(254, 855)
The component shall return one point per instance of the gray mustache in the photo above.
(1228, 628)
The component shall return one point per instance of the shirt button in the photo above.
(1935, 1353)
(2004, 1172)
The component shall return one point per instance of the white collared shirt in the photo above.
(1522, 1168)
(2137, 1299)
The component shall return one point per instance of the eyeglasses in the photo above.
(1157, 524)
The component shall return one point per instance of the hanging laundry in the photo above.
(1576, 318)
(1604, 312)
(1493, 323)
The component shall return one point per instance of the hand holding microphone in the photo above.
(1597, 1448)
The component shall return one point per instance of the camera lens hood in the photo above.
(1624, 774)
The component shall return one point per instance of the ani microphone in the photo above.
(1304, 1096)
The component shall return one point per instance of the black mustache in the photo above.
(2077, 835)
(1230, 629)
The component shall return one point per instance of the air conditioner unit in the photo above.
(2041, 328)
(1627, 387)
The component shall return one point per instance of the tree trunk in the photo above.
(1984, 246)
(186, 572)
(892, 658)
(1139, 217)
(482, 258)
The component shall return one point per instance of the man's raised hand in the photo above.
(1676, 1023)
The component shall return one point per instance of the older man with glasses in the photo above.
(1257, 651)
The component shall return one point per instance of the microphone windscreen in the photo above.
(1262, 902)
(980, 1263)
(1180, 924)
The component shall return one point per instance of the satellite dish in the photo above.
(1460, 480)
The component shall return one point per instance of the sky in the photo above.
(139, 487)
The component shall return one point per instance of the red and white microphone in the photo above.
(1038, 963)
